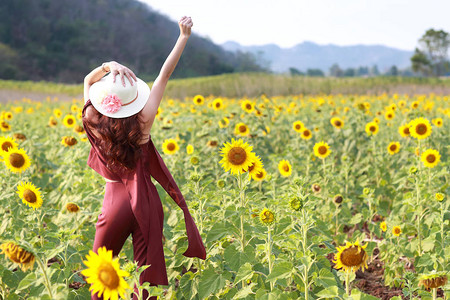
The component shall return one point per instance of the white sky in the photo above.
(395, 23)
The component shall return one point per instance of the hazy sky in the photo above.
(395, 23)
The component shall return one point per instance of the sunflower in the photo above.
(57, 112)
(404, 130)
(337, 122)
(104, 274)
(241, 129)
(217, 104)
(8, 115)
(260, 175)
(298, 126)
(5, 126)
(415, 104)
(29, 194)
(255, 167)
(68, 141)
(389, 115)
(351, 257)
(189, 149)
(224, 122)
(396, 230)
(433, 280)
(437, 122)
(383, 226)
(212, 143)
(25, 259)
(19, 136)
(306, 134)
(198, 100)
(321, 150)
(285, 168)
(170, 146)
(267, 217)
(430, 158)
(372, 128)
(7, 143)
(393, 147)
(74, 108)
(72, 207)
(69, 121)
(159, 111)
(16, 160)
(420, 128)
(439, 196)
(52, 122)
(237, 156)
(79, 129)
(248, 106)
(295, 203)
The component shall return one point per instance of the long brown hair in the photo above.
(119, 140)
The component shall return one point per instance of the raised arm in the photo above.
(151, 107)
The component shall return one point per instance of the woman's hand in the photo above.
(185, 24)
(116, 68)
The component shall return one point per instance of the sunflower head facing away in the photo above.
(29, 194)
(430, 158)
(18, 255)
(237, 156)
(433, 280)
(16, 160)
(321, 150)
(420, 128)
(351, 257)
(104, 274)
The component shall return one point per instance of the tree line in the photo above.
(63, 40)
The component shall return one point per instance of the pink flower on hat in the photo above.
(111, 103)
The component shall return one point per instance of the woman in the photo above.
(118, 116)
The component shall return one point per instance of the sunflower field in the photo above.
(295, 197)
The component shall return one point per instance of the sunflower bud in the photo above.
(298, 181)
(316, 188)
(439, 197)
(194, 160)
(195, 177)
(412, 170)
(220, 183)
(194, 205)
(296, 203)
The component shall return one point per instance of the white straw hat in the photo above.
(114, 100)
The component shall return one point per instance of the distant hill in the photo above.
(308, 55)
(62, 40)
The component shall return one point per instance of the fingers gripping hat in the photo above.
(114, 100)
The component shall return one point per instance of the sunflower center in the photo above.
(6, 145)
(393, 147)
(217, 104)
(29, 196)
(322, 150)
(108, 276)
(237, 156)
(372, 128)
(69, 121)
(352, 256)
(397, 231)
(199, 100)
(251, 167)
(170, 147)
(431, 158)
(421, 129)
(242, 128)
(406, 130)
(5, 125)
(337, 123)
(286, 168)
(306, 133)
(297, 126)
(260, 175)
(70, 141)
(248, 106)
(17, 160)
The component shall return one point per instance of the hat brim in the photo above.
(125, 111)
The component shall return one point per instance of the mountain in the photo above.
(309, 55)
(63, 40)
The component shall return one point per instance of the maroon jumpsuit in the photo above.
(132, 205)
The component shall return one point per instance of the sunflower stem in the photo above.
(347, 283)
(242, 200)
(419, 207)
(46, 282)
(434, 293)
(269, 252)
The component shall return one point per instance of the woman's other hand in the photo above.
(185, 24)
(116, 68)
